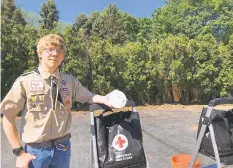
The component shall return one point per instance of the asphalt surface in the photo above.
(166, 133)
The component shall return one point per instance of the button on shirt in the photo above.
(42, 120)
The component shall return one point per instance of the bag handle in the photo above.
(222, 100)
(95, 107)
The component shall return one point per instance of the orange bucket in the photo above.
(183, 161)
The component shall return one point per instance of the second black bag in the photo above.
(222, 122)
(119, 140)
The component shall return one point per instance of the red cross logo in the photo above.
(120, 142)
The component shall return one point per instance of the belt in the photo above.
(51, 143)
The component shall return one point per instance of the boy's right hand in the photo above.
(23, 160)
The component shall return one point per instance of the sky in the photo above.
(70, 9)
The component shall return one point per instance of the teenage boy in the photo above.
(44, 96)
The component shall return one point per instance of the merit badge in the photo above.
(67, 93)
(42, 106)
(33, 97)
(65, 89)
(63, 82)
(67, 103)
(41, 97)
(33, 105)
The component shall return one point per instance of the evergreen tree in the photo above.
(109, 25)
(11, 14)
(49, 15)
(81, 22)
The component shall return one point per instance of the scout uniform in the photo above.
(44, 117)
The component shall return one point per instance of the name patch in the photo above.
(37, 85)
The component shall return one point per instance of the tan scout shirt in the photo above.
(31, 94)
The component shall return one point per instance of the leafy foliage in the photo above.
(183, 54)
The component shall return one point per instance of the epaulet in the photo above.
(68, 73)
(24, 74)
(27, 73)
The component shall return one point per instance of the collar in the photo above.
(47, 75)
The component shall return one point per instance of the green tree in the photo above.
(109, 25)
(31, 19)
(193, 18)
(131, 27)
(145, 29)
(208, 67)
(225, 77)
(18, 49)
(49, 15)
(81, 22)
(11, 14)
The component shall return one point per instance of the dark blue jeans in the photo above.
(55, 157)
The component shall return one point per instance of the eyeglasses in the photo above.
(52, 51)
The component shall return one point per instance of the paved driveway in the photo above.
(166, 133)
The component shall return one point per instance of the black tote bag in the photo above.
(222, 121)
(119, 140)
